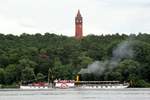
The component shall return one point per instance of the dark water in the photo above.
(76, 94)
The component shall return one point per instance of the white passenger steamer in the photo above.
(65, 84)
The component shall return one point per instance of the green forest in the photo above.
(32, 58)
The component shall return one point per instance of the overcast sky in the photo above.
(57, 16)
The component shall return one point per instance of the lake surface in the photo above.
(76, 94)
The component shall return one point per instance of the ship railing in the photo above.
(98, 82)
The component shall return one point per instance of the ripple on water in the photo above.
(76, 94)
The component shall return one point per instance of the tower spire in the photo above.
(79, 14)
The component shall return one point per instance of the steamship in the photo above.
(65, 84)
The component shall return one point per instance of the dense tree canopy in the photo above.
(39, 57)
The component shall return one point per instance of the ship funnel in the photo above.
(77, 78)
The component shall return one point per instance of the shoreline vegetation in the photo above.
(32, 58)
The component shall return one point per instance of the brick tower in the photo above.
(78, 26)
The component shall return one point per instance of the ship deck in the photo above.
(97, 82)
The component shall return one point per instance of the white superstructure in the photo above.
(64, 84)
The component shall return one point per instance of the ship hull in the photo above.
(120, 86)
(34, 87)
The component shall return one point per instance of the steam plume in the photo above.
(123, 50)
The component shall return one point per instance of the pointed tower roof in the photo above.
(78, 14)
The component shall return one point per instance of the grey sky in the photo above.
(100, 16)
